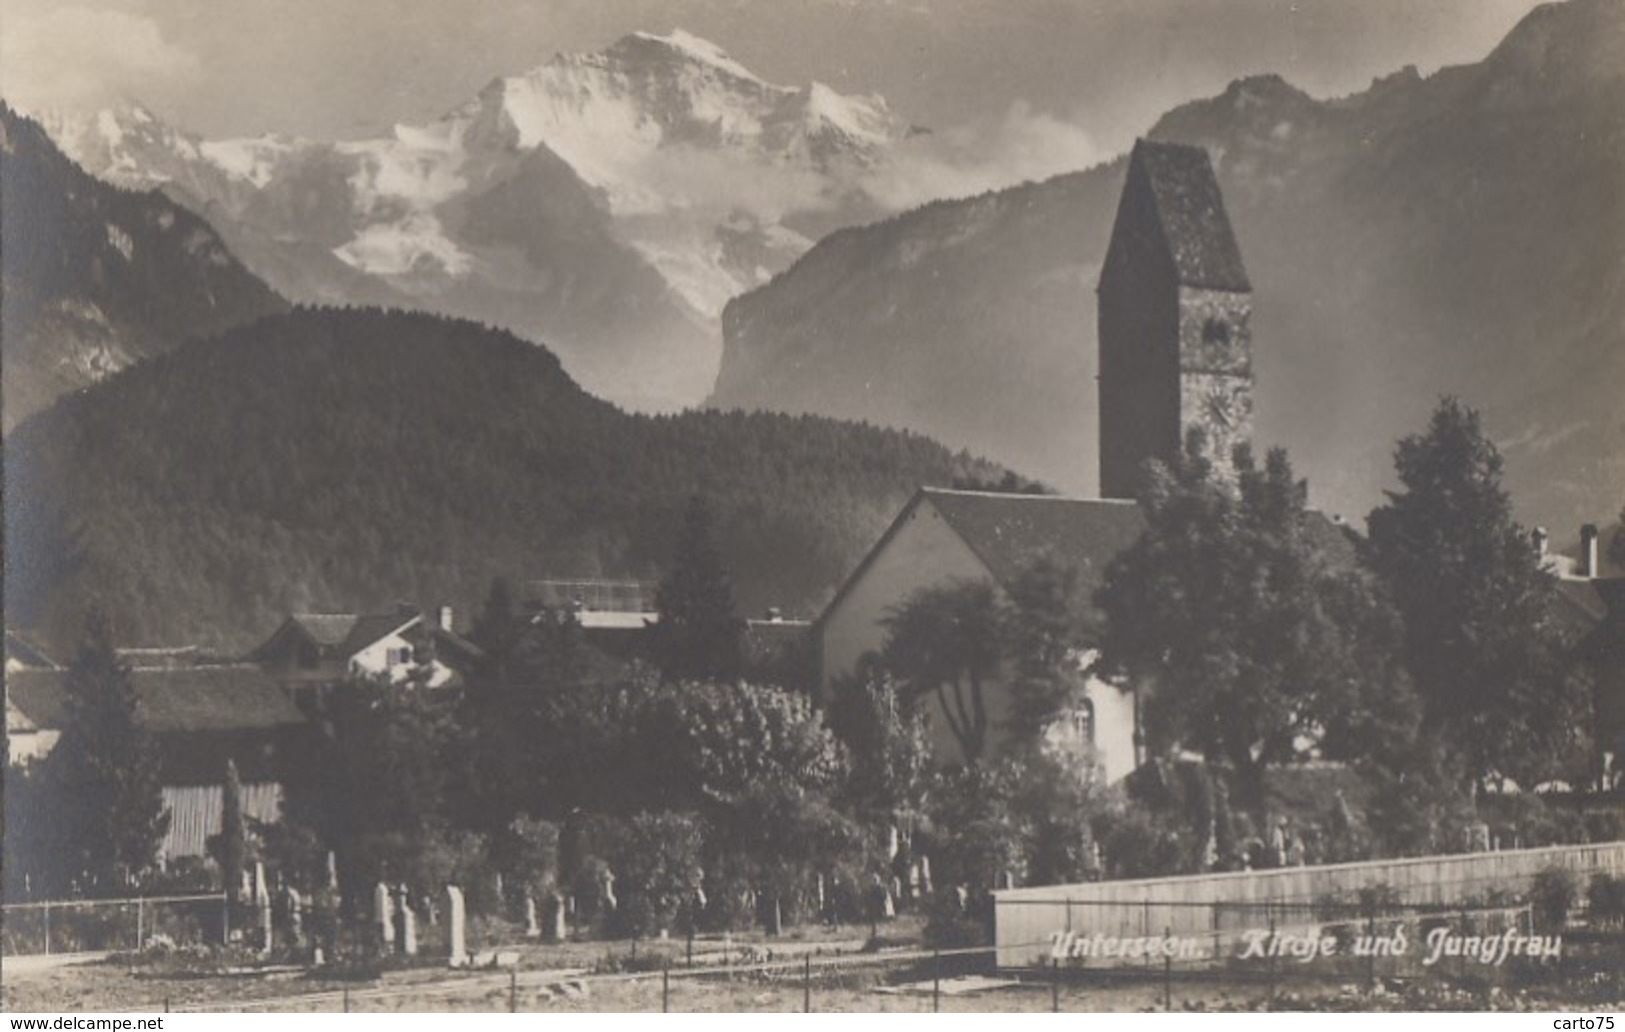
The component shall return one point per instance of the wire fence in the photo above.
(800, 977)
(49, 927)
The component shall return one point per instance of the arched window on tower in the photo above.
(1216, 331)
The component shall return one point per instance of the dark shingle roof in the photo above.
(373, 626)
(239, 697)
(1191, 211)
(1008, 532)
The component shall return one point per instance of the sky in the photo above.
(1101, 70)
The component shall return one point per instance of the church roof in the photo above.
(1009, 532)
(1190, 210)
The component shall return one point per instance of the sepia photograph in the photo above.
(573, 507)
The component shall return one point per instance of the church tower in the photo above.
(1175, 308)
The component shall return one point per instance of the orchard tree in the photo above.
(1496, 671)
(1259, 641)
(377, 790)
(879, 721)
(699, 634)
(103, 772)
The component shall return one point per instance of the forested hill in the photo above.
(331, 459)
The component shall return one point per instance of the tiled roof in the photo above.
(238, 697)
(1008, 532)
(1191, 212)
(371, 627)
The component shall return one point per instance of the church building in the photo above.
(1175, 346)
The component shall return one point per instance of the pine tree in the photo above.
(699, 635)
(104, 771)
(496, 628)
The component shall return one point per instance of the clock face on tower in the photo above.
(1222, 408)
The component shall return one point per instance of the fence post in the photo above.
(1168, 969)
(1055, 985)
(936, 979)
(513, 990)
(1371, 946)
(1461, 967)
(225, 918)
(1270, 910)
(47, 928)
(346, 999)
(665, 988)
(806, 983)
(140, 913)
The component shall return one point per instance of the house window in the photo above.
(1216, 331)
(1083, 722)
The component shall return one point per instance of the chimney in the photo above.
(1588, 551)
(444, 618)
(1541, 539)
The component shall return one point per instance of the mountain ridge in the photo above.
(96, 278)
(695, 179)
(1455, 233)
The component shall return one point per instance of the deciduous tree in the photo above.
(1259, 643)
(1494, 667)
(945, 642)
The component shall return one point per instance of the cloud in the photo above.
(967, 159)
(75, 57)
(1019, 146)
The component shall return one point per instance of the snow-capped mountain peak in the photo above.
(700, 178)
(686, 46)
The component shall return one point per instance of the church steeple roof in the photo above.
(1190, 209)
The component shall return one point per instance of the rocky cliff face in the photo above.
(1451, 234)
(95, 278)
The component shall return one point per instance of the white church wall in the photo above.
(922, 553)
